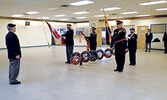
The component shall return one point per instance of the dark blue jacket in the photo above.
(132, 42)
(165, 37)
(92, 39)
(69, 38)
(13, 45)
(149, 37)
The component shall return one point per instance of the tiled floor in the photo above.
(44, 76)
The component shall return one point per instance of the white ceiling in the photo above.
(10, 7)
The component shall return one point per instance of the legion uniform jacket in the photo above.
(120, 34)
(132, 41)
(69, 38)
(92, 39)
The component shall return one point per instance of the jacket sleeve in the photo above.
(151, 36)
(16, 46)
(163, 37)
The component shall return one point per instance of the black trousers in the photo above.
(69, 51)
(120, 55)
(132, 55)
(165, 45)
(93, 47)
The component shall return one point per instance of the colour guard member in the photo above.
(120, 46)
(93, 39)
(132, 46)
(69, 41)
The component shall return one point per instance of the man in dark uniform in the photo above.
(92, 39)
(132, 46)
(120, 46)
(69, 42)
(165, 42)
(14, 54)
(149, 37)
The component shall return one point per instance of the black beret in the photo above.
(119, 22)
(11, 25)
(68, 24)
(132, 29)
(93, 28)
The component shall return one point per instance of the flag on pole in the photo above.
(109, 40)
(57, 37)
(85, 39)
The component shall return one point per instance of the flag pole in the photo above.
(45, 33)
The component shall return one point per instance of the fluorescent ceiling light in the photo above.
(61, 15)
(81, 17)
(63, 19)
(142, 15)
(126, 13)
(43, 17)
(53, 8)
(100, 15)
(31, 12)
(153, 3)
(108, 9)
(81, 12)
(161, 9)
(17, 15)
(80, 3)
(116, 17)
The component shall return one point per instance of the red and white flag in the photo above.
(57, 37)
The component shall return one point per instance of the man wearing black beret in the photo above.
(69, 42)
(14, 54)
(132, 46)
(92, 39)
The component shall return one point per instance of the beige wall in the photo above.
(34, 35)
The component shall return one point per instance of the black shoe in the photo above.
(120, 71)
(67, 62)
(116, 70)
(130, 64)
(15, 83)
(145, 51)
(133, 65)
(165, 52)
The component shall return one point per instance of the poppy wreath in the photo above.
(85, 55)
(100, 54)
(108, 53)
(93, 55)
(75, 58)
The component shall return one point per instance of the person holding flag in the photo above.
(69, 41)
(93, 39)
(120, 46)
